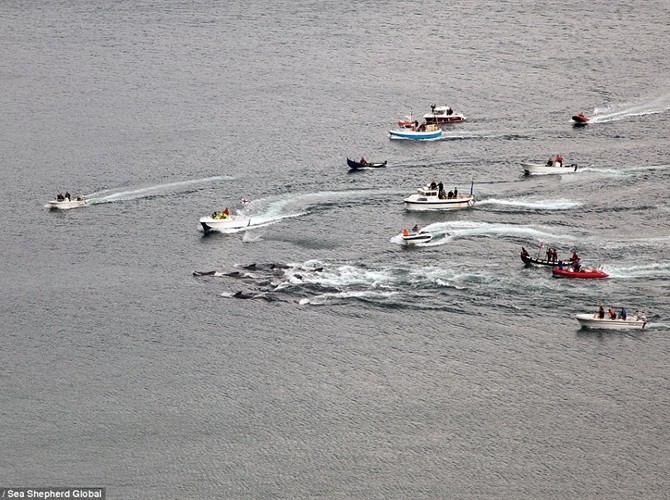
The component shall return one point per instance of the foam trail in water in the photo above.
(623, 111)
(560, 204)
(277, 205)
(479, 135)
(445, 232)
(160, 190)
(653, 270)
(461, 229)
(264, 212)
(322, 299)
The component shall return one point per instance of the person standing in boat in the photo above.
(67, 195)
(559, 160)
(624, 313)
(455, 193)
(601, 312)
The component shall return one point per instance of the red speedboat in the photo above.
(580, 119)
(583, 273)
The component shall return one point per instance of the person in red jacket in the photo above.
(559, 160)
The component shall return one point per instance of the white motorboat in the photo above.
(544, 169)
(443, 114)
(427, 198)
(67, 203)
(230, 222)
(593, 321)
(421, 133)
(411, 237)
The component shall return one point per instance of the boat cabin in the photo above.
(425, 193)
(442, 110)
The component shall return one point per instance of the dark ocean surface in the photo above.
(360, 368)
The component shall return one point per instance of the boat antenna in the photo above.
(472, 186)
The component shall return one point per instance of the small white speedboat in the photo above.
(412, 238)
(429, 199)
(67, 203)
(593, 321)
(544, 169)
(231, 222)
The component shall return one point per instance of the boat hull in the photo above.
(354, 165)
(544, 169)
(210, 224)
(592, 274)
(419, 202)
(415, 135)
(532, 261)
(580, 120)
(592, 321)
(66, 205)
(440, 119)
(413, 239)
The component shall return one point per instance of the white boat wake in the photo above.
(151, 191)
(653, 270)
(267, 211)
(275, 206)
(464, 229)
(622, 111)
(327, 298)
(561, 204)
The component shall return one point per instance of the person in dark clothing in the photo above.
(601, 312)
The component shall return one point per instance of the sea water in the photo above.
(326, 359)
